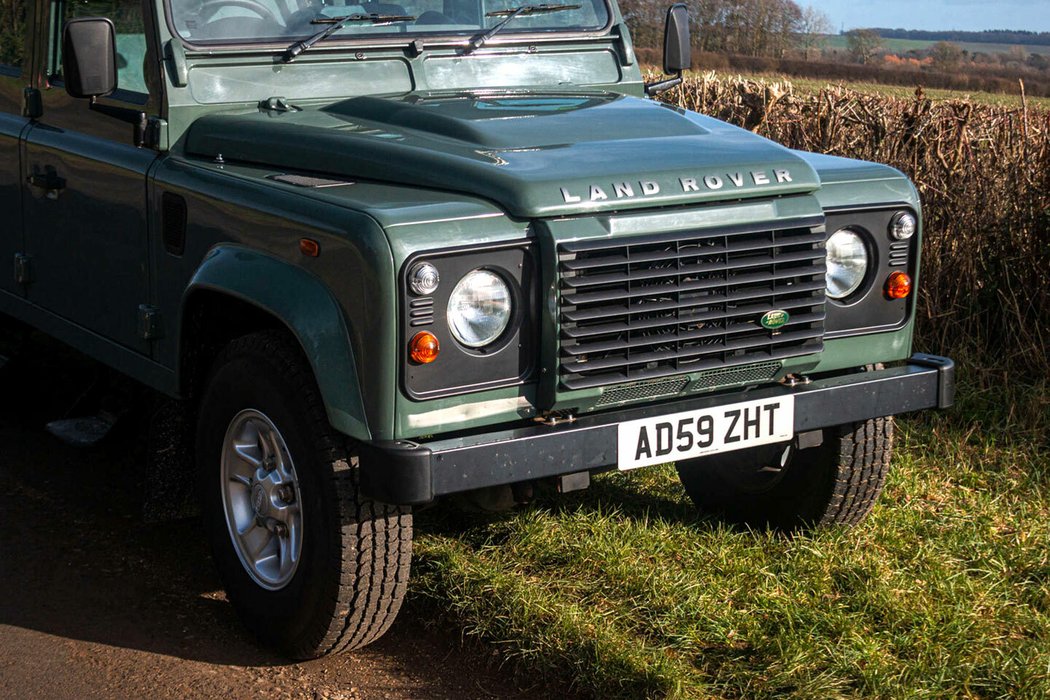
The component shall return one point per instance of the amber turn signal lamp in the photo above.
(309, 247)
(424, 348)
(898, 285)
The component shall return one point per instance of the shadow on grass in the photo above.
(622, 496)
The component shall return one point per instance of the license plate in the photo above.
(642, 443)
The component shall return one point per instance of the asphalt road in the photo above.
(96, 603)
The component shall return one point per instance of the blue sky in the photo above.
(969, 15)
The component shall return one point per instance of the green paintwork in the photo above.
(434, 149)
(311, 314)
(537, 155)
(847, 353)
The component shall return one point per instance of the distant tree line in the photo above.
(988, 36)
(767, 28)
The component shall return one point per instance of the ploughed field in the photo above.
(840, 43)
(943, 592)
(902, 92)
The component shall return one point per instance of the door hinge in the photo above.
(150, 327)
(23, 269)
(32, 103)
(157, 134)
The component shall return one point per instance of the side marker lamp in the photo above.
(423, 279)
(424, 347)
(898, 286)
(903, 226)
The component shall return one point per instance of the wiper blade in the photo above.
(335, 24)
(509, 16)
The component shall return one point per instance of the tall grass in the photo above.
(984, 175)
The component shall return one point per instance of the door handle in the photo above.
(50, 182)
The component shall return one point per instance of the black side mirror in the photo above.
(678, 50)
(89, 57)
(89, 69)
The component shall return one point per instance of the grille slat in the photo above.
(649, 273)
(810, 222)
(653, 306)
(582, 332)
(599, 312)
(739, 246)
(611, 345)
(588, 382)
(700, 285)
(611, 361)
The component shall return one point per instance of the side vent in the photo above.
(422, 312)
(899, 253)
(173, 223)
(308, 181)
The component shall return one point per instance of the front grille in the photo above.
(746, 374)
(654, 306)
(637, 392)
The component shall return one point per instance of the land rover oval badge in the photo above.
(774, 320)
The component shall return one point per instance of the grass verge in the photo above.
(944, 592)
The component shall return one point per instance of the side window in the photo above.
(12, 35)
(126, 16)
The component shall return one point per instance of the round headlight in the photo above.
(903, 226)
(479, 308)
(847, 263)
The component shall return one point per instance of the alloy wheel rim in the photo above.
(261, 499)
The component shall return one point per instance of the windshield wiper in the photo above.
(335, 24)
(509, 16)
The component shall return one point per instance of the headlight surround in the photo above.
(847, 261)
(479, 308)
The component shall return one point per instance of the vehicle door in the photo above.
(86, 227)
(14, 77)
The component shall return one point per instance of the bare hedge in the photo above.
(984, 175)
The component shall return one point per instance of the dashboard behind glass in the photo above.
(268, 21)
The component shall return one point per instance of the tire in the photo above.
(782, 487)
(345, 587)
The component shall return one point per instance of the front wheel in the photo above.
(310, 565)
(786, 488)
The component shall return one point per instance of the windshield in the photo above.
(239, 21)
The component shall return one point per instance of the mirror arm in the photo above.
(136, 118)
(652, 89)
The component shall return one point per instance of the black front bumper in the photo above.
(404, 472)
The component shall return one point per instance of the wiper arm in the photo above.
(509, 16)
(335, 24)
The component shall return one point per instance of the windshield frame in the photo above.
(337, 42)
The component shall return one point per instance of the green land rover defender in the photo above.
(376, 254)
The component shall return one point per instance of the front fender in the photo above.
(305, 306)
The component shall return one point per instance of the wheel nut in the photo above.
(286, 493)
(280, 529)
